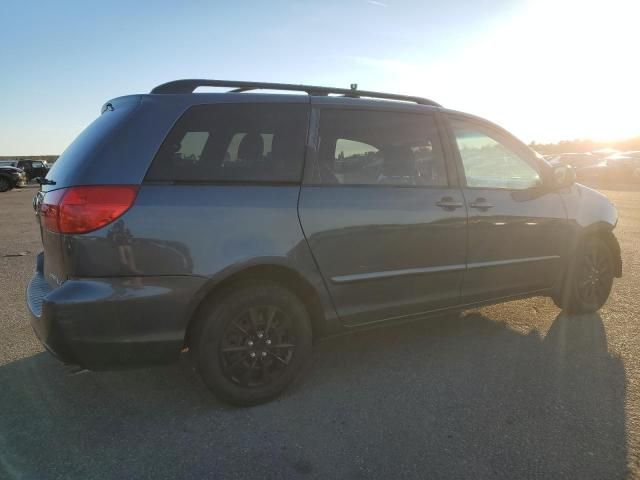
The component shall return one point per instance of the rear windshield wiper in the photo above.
(45, 181)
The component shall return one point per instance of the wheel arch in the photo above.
(323, 319)
(604, 231)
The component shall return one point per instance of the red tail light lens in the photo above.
(50, 209)
(84, 209)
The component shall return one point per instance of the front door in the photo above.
(385, 225)
(517, 231)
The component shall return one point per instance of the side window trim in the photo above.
(509, 141)
(450, 151)
(309, 178)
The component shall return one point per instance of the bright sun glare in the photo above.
(574, 62)
(557, 69)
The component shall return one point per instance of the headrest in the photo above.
(251, 147)
(398, 161)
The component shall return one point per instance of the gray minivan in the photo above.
(239, 226)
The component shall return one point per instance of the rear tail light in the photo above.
(84, 209)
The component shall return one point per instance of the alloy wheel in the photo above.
(257, 346)
(595, 276)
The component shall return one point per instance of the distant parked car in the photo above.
(624, 166)
(576, 160)
(589, 167)
(11, 177)
(33, 168)
(604, 152)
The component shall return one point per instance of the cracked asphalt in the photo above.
(517, 390)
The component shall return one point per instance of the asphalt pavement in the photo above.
(517, 390)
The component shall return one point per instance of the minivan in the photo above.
(239, 226)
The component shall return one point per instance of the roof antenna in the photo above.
(354, 86)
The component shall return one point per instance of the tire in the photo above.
(5, 184)
(251, 342)
(589, 279)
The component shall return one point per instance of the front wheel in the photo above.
(589, 280)
(252, 342)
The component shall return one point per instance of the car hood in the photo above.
(621, 158)
(602, 164)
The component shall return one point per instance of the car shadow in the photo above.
(453, 397)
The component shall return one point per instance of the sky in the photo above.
(546, 70)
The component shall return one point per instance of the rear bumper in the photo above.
(105, 323)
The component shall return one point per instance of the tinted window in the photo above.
(377, 148)
(234, 147)
(191, 146)
(234, 142)
(489, 161)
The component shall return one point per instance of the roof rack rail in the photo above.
(189, 85)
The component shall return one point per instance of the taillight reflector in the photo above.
(84, 209)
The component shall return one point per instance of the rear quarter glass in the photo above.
(234, 142)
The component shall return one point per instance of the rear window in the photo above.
(99, 138)
(234, 142)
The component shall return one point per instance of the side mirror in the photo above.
(563, 176)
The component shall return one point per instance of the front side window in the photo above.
(360, 147)
(488, 162)
(234, 142)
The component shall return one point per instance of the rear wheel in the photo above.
(252, 342)
(5, 184)
(590, 278)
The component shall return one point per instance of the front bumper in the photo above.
(20, 181)
(105, 323)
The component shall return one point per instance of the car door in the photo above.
(517, 231)
(384, 220)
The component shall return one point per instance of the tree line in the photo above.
(583, 145)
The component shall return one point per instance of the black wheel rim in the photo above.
(258, 346)
(595, 276)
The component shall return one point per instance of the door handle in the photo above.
(481, 204)
(448, 203)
